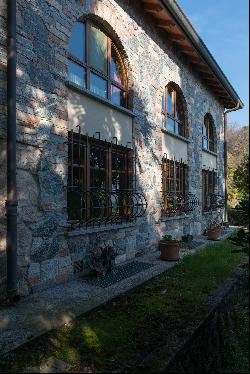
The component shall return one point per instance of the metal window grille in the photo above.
(175, 196)
(101, 182)
(211, 200)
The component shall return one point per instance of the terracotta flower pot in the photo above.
(214, 234)
(169, 251)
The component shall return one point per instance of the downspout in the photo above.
(238, 106)
(11, 203)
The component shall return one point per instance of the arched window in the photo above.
(208, 133)
(95, 63)
(173, 113)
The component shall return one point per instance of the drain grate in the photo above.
(119, 274)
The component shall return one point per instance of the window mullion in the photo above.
(174, 106)
(87, 183)
(109, 68)
(109, 169)
(88, 54)
(166, 108)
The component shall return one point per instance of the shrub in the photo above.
(239, 216)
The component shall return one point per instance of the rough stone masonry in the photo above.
(47, 252)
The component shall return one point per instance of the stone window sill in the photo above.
(187, 140)
(165, 218)
(100, 99)
(210, 212)
(98, 229)
(210, 152)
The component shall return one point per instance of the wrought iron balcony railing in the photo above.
(98, 207)
(213, 202)
(178, 203)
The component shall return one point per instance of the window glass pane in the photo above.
(77, 41)
(118, 181)
(118, 96)
(98, 49)
(163, 104)
(171, 186)
(116, 72)
(97, 179)
(98, 85)
(178, 171)
(210, 182)
(205, 143)
(97, 158)
(179, 109)
(118, 161)
(74, 205)
(170, 124)
(211, 145)
(78, 153)
(171, 172)
(163, 120)
(205, 131)
(179, 129)
(78, 178)
(178, 186)
(170, 101)
(76, 74)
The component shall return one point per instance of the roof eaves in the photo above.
(200, 46)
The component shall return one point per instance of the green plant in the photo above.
(241, 177)
(241, 239)
(187, 240)
(239, 215)
(101, 258)
(111, 338)
(169, 239)
(215, 223)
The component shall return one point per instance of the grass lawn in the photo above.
(121, 334)
(236, 347)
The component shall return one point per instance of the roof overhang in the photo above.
(169, 17)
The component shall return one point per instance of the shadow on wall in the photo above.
(42, 161)
(43, 252)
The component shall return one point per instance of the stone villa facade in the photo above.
(52, 102)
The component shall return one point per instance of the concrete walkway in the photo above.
(52, 308)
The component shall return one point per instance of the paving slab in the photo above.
(60, 305)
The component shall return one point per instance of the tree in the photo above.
(238, 161)
(241, 177)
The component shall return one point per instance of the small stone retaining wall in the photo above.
(202, 352)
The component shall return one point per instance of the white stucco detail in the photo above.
(94, 116)
(175, 148)
(209, 161)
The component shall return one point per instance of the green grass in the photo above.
(125, 331)
(236, 347)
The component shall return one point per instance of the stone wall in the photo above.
(207, 346)
(46, 253)
(3, 62)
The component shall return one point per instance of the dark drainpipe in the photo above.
(239, 106)
(11, 203)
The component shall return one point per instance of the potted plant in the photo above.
(214, 230)
(101, 258)
(170, 248)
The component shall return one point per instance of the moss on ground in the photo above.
(120, 335)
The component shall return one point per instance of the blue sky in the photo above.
(223, 26)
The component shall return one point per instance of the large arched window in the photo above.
(208, 133)
(173, 113)
(95, 63)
